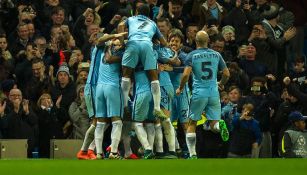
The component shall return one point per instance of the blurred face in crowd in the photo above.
(3, 43)
(63, 78)
(92, 29)
(41, 45)
(175, 43)
(58, 18)
(234, 95)
(15, 95)
(191, 32)
(176, 10)
(242, 50)
(211, 2)
(89, 19)
(46, 100)
(257, 85)
(218, 46)
(117, 44)
(56, 32)
(299, 66)
(31, 29)
(300, 125)
(23, 32)
(228, 36)
(77, 54)
(53, 2)
(82, 76)
(163, 27)
(38, 69)
(250, 52)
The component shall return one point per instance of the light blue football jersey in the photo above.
(94, 66)
(205, 65)
(141, 27)
(110, 73)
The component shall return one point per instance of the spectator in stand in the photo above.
(299, 74)
(191, 31)
(264, 102)
(21, 41)
(23, 68)
(231, 48)
(39, 83)
(277, 37)
(6, 60)
(21, 121)
(90, 16)
(78, 115)
(237, 18)
(51, 119)
(237, 77)
(246, 135)
(64, 91)
(211, 9)
(293, 144)
(250, 65)
(164, 26)
(75, 59)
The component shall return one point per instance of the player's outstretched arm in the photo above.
(107, 37)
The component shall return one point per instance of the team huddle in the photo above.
(142, 84)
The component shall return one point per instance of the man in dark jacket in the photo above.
(64, 91)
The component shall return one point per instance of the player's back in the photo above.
(164, 54)
(94, 66)
(109, 73)
(205, 66)
(141, 28)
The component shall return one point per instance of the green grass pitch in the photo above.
(155, 167)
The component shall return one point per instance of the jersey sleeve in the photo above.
(188, 60)
(165, 54)
(222, 64)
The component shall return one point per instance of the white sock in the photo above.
(159, 138)
(142, 135)
(125, 85)
(115, 135)
(169, 134)
(150, 129)
(191, 143)
(89, 137)
(216, 127)
(126, 138)
(92, 145)
(156, 94)
(99, 132)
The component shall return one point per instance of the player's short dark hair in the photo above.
(143, 10)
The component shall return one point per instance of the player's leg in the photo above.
(140, 113)
(101, 114)
(213, 111)
(129, 61)
(196, 108)
(149, 62)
